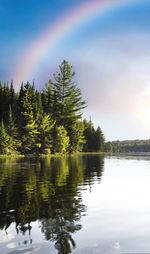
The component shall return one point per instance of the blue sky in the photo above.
(109, 51)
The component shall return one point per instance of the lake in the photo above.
(82, 204)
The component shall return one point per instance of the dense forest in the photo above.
(128, 146)
(48, 121)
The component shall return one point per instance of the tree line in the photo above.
(128, 146)
(47, 121)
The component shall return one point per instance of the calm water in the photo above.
(84, 204)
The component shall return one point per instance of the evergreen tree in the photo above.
(76, 136)
(49, 98)
(99, 140)
(27, 122)
(89, 134)
(7, 144)
(47, 121)
(29, 134)
(68, 101)
(12, 96)
(20, 107)
(21, 93)
(4, 140)
(61, 142)
(94, 139)
(38, 104)
(45, 125)
(68, 95)
(13, 132)
(5, 103)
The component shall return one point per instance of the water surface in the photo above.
(81, 204)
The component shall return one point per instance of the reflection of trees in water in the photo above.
(60, 231)
(47, 190)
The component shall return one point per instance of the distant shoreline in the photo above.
(145, 154)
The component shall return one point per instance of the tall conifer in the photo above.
(68, 103)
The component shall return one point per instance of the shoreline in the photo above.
(73, 154)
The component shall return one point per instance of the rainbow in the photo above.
(31, 58)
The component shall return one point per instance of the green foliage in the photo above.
(94, 139)
(48, 98)
(27, 122)
(61, 142)
(48, 121)
(13, 132)
(99, 140)
(45, 126)
(128, 146)
(75, 132)
(7, 100)
(30, 133)
(4, 139)
(8, 145)
(89, 134)
(108, 147)
(68, 103)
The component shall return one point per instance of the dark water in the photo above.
(82, 204)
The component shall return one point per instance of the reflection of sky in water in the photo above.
(15, 244)
(117, 218)
(118, 210)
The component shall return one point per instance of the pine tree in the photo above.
(4, 140)
(94, 139)
(61, 142)
(7, 145)
(69, 96)
(5, 103)
(76, 136)
(13, 132)
(47, 121)
(28, 127)
(29, 134)
(45, 125)
(90, 137)
(68, 101)
(100, 140)
(12, 96)
(49, 98)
